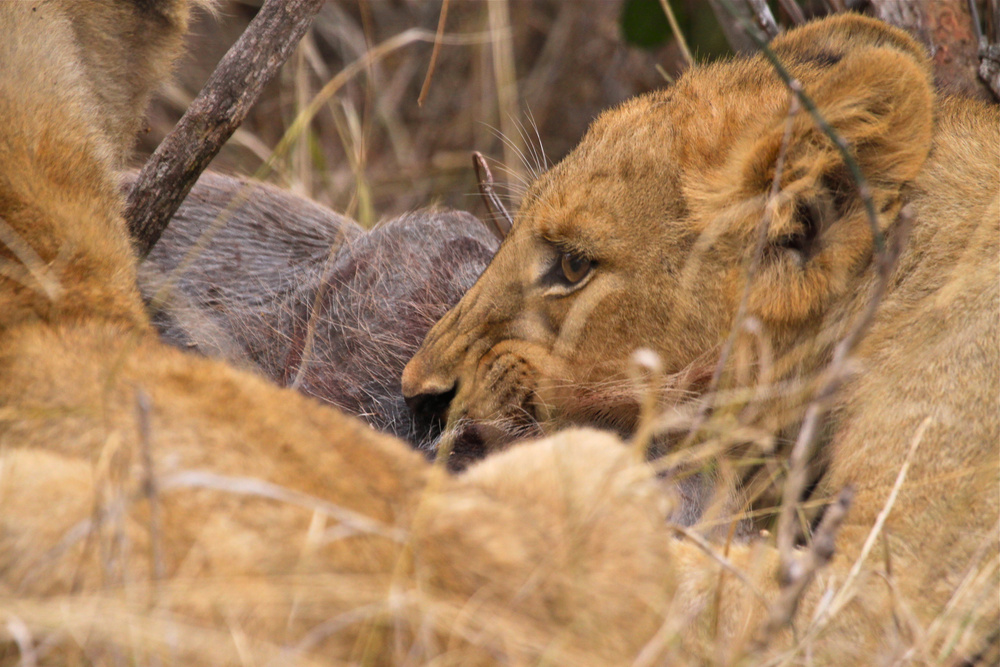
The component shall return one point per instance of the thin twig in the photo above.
(864, 190)
(836, 372)
(214, 115)
(499, 217)
(678, 35)
(977, 28)
(442, 19)
(806, 566)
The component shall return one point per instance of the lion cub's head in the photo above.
(641, 237)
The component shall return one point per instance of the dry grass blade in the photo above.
(31, 268)
(836, 372)
(249, 486)
(843, 595)
(721, 560)
(442, 20)
(755, 259)
(647, 375)
(681, 42)
(22, 636)
(505, 75)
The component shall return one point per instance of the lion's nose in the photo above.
(430, 409)
(427, 397)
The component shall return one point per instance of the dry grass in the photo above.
(505, 69)
(371, 151)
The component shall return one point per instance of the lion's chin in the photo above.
(471, 440)
(468, 440)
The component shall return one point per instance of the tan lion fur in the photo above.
(161, 508)
(665, 196)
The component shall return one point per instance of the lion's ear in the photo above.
(871, 84)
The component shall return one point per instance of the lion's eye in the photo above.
(574, 267)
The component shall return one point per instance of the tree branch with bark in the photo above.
(214, 115)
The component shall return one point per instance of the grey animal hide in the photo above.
(307, 297)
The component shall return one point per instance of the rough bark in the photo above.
(948, 32)
(214, 115)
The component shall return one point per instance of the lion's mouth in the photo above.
(610, 406)
(469, 440)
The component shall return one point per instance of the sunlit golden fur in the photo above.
(160, 508)
(665, 196)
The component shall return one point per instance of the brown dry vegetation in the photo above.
(506, 68)
(373, 152)
(159, 509)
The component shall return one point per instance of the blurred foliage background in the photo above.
(518, 80)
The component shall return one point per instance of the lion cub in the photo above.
(642, 238)
(158, 507)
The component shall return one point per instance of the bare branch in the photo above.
(214, 115)
(764, 18)
(989, 68)
(805, 567)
